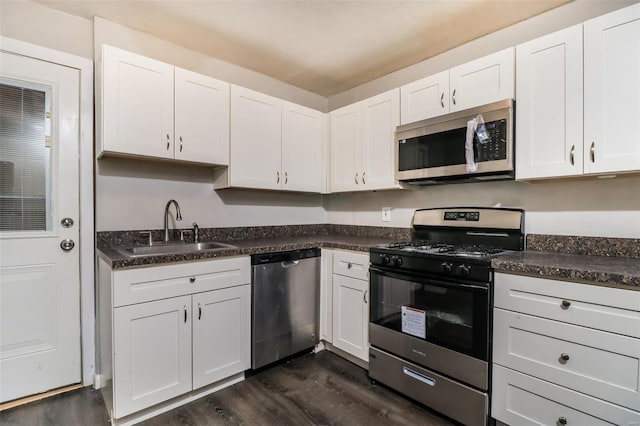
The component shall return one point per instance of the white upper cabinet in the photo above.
(612, 92)
(256, 135)
(201, 118)
(302, 153)
(137, 110)
(485, 80)
(137, 105)
(549, 105)
(479, 82)
(425, 98)
(274, 144)
(362, 144)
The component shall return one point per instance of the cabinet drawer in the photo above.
(519, 399)
(603, 308)
(601, 364)
(354, 265)
(160, 282)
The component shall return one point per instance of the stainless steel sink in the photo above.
(173, 248)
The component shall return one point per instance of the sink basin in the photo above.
(173, 248)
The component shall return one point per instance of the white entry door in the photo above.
(39, 212)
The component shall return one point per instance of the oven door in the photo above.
(440, 324)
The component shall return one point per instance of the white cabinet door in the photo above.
(612, 91)
(351, 316)
(152, 353)
(201, 118)
(221, 334)
(302, 154)
(346, 151)
(137, 104)
(424, 98)
(380, 117)
(549, 106)
(255, 139)
(485, 80)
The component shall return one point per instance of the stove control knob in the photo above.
(385, 259)
(397, 260)
(464, 270)
(446, 267)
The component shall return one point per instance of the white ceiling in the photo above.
(322, 46)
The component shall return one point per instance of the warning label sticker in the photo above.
(414, 322)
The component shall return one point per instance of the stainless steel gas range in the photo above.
(431, 303)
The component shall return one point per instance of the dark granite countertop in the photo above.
(247, 247)
(622, 272)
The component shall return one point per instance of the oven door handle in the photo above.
(426, 280)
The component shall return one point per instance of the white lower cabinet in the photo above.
(168, 331)
(350, 286)
(565, 353)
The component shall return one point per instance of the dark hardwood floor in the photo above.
(320, 389)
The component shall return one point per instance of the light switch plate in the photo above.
(386, 214)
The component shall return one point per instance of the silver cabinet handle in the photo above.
(185, 314)
(357, 183)
(442, 99)
(592, 152)
(199, 312)
(561, 421)
(565, 304)
(573, 149)
(564, 357)
(453, 96)
(168, 144)
(286, 178)
(364, 182)
(349, 265)
(180, 143)
(192, 279)
(277, 177)
(67, 244)
(365, 296)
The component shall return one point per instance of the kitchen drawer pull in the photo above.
(420, 377)
(192, 279)
(199, 311)
(168, 144)
(180, 143)
(286, 178)
(592, 152)
(363, 181)
(357, 179)
(365, 296)
(277, 177)
(453, 96)
(442, 99)
(349, 265)
(185, 314)
(562, 421)
(564, 357)
(565, 304)
(571, 159)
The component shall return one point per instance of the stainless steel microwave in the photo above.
(436, 150)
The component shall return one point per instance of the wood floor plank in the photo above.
(315, 389)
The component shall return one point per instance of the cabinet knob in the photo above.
(349, 265)
(564, 357)
(192, 279)
(562, 421)
(565, 304)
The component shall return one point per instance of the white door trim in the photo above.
(87, 228)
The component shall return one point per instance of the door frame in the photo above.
(87, 227)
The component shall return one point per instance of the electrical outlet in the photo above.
(386, 214)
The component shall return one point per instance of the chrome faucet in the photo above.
(196, 233)
(166, 217)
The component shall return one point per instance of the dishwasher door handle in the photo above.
(290, 263)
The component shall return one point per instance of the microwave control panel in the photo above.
(496, 147)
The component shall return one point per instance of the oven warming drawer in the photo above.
(459, 402)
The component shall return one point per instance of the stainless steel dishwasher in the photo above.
(285, 304)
